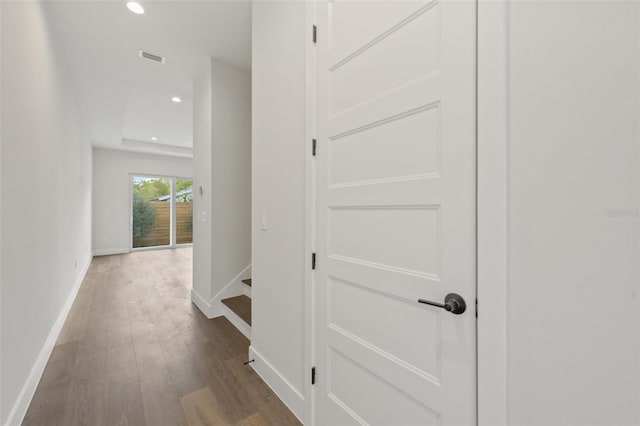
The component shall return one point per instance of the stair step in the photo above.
(247, 282)
(241, 306)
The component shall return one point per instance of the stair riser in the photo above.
(237, 322)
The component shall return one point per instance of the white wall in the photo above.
(573, 270)
(279, 144)
(572, 313)
(111, 192)
(202, 241)
(231, 172)
(222, 152)
(45, 202)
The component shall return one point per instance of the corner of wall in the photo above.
(202, 304)
(213, 307)
(231, 289)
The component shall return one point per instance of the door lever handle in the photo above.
(453, 303)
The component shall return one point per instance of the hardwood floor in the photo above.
(135, 351)
(241, 305)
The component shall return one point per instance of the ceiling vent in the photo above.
(152, 57)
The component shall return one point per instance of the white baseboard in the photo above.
(202, 304)
(291, 397)
(109, 252)
(246, 290)
(19, 409)
(237, 321)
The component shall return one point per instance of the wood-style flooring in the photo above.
(241, 305)
(135, 351)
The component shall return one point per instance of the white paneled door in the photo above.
(395, 218)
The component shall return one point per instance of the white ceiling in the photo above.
(126, 100)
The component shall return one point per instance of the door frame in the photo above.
(310, 215)
(492, 210)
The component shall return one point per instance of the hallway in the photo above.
(135, 351)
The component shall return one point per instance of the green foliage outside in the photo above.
(144, 216)
(152, 188)
(182, 184)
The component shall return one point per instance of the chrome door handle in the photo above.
(453, 303)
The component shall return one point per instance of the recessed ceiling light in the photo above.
(154, 139)
(176, 99)
(135, 7)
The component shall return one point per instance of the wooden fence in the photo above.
(158, 235)
(184, 223)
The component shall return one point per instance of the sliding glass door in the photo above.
(184, 211)
(161, 211)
